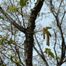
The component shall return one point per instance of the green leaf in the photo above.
(12, 8)
(23, 3)
(2, 40)
(49, 52)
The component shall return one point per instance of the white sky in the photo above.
(0, 1)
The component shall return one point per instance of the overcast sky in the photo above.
(0, 1)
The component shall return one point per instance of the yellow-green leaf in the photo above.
(49, 52)
(23, 3)
(12, 8)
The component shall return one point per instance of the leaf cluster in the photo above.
(4, 40)
(49, 52)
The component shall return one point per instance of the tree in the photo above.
(20, 21)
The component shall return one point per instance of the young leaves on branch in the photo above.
(12, 8)
(2, 40)
(47, 33)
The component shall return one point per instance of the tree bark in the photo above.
(30, 32)
(29, 47)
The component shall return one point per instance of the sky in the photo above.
(0, 1)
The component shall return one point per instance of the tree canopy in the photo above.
(32, 32)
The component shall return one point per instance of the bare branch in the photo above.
(55, 46)
(61, 33)
(39, 45)
(59, 7)
(13, 22)
(63, 17)
(43, 57)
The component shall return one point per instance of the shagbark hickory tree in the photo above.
(21, 44)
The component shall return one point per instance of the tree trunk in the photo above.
(29, 42)
(29, 47)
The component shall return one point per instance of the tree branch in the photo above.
(13, 22)
(61, 32)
